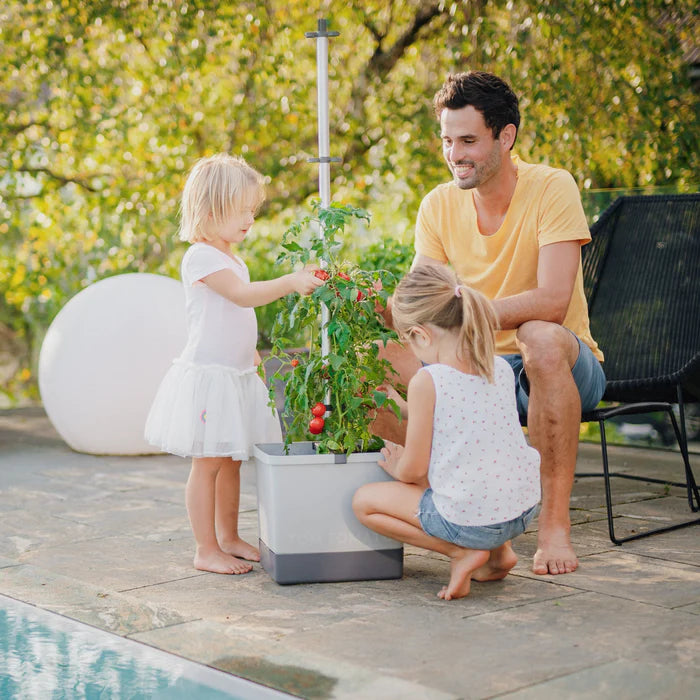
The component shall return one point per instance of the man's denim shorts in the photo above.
(587, 372)
(485, 537)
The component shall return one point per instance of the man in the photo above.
(514, 231)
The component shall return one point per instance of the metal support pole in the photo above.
(324, 160)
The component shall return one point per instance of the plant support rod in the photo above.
(324, 159)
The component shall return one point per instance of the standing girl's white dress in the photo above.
(212, 402)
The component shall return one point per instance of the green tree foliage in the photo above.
(106, 104)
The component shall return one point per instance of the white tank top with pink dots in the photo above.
(482, 471)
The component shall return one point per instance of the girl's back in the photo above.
(482, 470)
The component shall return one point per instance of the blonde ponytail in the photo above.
(434, 294)
(476, 335)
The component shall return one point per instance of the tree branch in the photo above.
(19, 128)
(372, 27)
(63, 179)
(383, 61)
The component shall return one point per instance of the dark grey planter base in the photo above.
(329, 567)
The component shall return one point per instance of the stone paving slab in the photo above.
(693, 608)
(22, 533)
(623, 680)
(92, 605)
(589, 493)
(621, 575)
(663, 511)
(304, 673)
(120, 562)
(105, 540)
(547, 639)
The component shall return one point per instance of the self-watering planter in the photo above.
(308, 531)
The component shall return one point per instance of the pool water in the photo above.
(44, 655)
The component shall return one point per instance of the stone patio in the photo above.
(106, 541)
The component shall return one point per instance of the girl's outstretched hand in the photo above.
(391, 454)
(305, 281)
(394, 395)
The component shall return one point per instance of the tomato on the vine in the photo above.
(360, 295)
(318, 409)
(294, 362)
(316, 425)
(343, 276)
(322, 275)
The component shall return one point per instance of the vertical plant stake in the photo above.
(324, 159)
(331, 396)
(308, 531)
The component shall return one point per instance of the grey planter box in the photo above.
(308, 531)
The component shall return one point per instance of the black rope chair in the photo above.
(642, 280)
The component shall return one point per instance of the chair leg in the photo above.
(606, 477)
(682, 437)
(690, 484)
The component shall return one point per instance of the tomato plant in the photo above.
(348, 374)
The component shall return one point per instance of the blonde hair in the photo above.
(433, 294)
(217, 186)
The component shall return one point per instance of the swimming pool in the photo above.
(44, 655)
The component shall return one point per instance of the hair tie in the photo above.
(458, 291)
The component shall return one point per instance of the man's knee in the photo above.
(544, 346)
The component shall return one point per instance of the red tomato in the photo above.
(322, 275)
(343, 276)
(294, 362)
(318, 409)
(360, 295)
(316, 425)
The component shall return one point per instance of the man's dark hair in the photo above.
(485, 92)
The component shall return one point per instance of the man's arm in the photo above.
(549, 301)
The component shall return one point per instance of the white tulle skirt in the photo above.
(211, 411)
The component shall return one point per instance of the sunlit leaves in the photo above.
(106, 104)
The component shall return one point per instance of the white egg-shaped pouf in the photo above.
(104, 356)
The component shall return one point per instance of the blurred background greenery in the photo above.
(106, 105)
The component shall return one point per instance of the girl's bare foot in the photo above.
(500, 562)
(462, 567)
(240, 548)
(219, 562)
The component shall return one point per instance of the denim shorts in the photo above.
(486, 537)
(588, 375)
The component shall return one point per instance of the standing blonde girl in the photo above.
(212, 405)
(467, 481)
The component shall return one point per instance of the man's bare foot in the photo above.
(500, 562)
(240, 548)
(461, 569)
(554, 555)
(219, 562)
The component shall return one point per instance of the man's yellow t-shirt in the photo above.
(546, 208)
